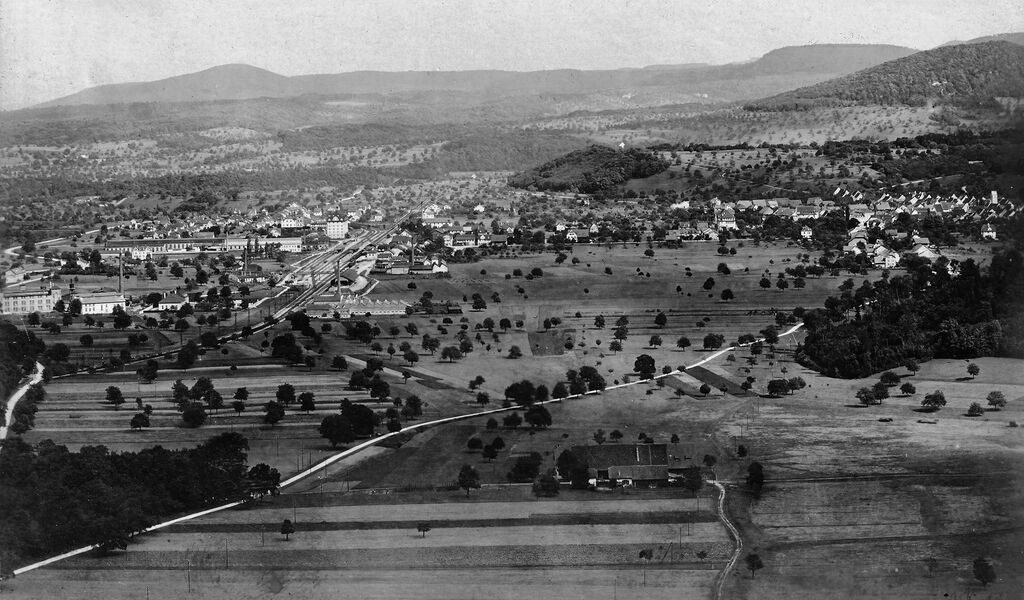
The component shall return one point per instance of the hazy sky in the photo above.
(51, 48)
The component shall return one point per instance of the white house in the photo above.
(337, 229)
(885, 258)
(171, 302)
(988, 232)
(101, 303)
(806, 232)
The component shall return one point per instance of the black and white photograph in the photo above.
(511, 299)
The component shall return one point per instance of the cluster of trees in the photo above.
(590, 170)
(369, 377)
(52, 499)
(923, 314)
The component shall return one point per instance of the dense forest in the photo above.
(924, 314)
(53, 500)
(969, 74)
(590, 170)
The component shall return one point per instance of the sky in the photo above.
(51, 48)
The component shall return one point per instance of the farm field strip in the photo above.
(379, 581)
(648, 518)
(482, 510)
(524, 535)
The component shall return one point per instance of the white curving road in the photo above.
(412, 429)
(36, 377)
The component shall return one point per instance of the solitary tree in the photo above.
(115, 397)
(908, 389)
(984, 571)
(660, 319)
(683, 343)
(307, 402)
(996, 400)
(273, 412)
(287, 528)
(890, 378)
(644, 364)
(194, 415)
(515, 352)
(912, 366)
(286, 393)
(451, 353)
(615, 435)
(934, 401)
(140, 421)
(423, 527)
(337, 430)
(599, 436)
(975, 410)
(469, 479)
(754, 564)
(973, 370)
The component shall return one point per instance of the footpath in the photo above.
(12, 402)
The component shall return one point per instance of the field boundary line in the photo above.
(413, 429)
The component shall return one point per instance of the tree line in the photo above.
(53, 500)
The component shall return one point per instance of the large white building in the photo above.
(337, 229)
(102, 303)
(28, 301)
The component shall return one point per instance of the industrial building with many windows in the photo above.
(21, 302)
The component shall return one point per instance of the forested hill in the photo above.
(969, 74)
(924, 314)
(590, 170)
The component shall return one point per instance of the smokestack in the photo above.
(120, 274)
(337, 277)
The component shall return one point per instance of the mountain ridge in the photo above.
(962, 73)
(241, 82)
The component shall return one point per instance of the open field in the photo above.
(326, 551)
(884, 509)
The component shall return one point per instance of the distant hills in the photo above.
(590, 170)
(1016, 38)
(966, 73)
(776, 71)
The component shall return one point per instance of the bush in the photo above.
(975, 410)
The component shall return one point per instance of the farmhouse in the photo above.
(581, 235)
(645, 464)
(171, 302)
(885, 258)
(988, 232)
